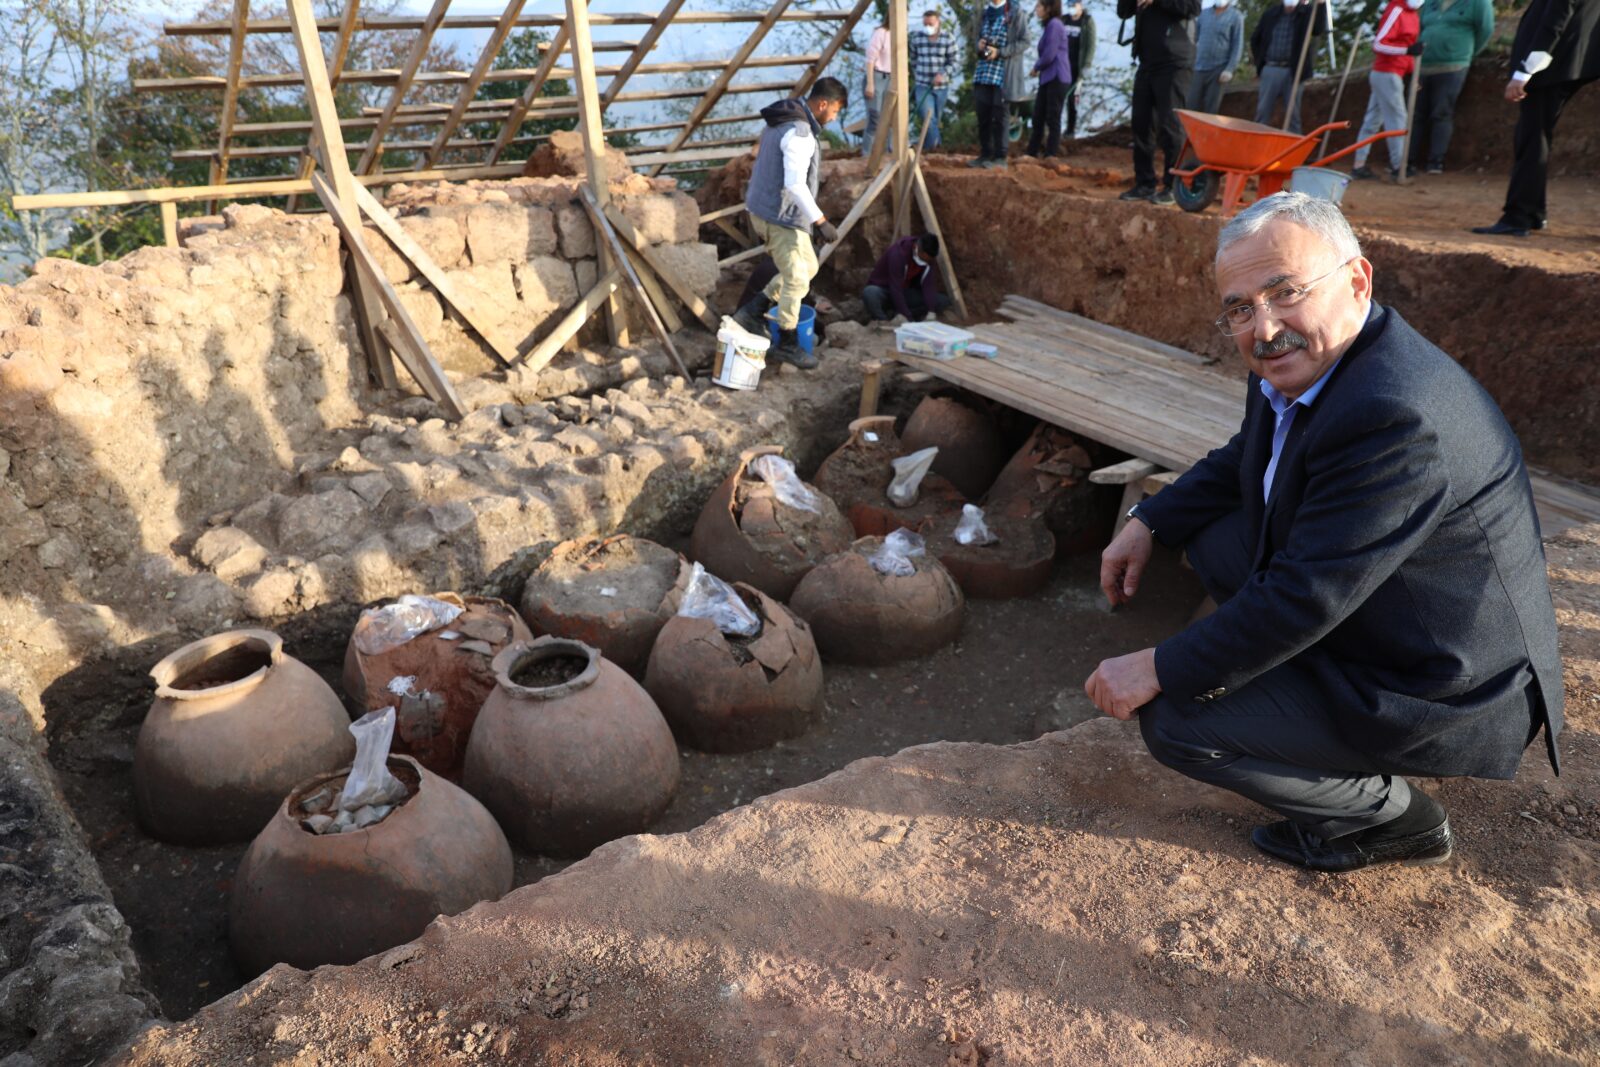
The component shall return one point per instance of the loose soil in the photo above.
(637, 573)
(225, 668)
(549, 671)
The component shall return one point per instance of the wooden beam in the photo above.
(530, 92)
(840, 37)
(169, 224)
(947, 266)
(691, 300)
(230, 96)
(646, 43)
(738, 236)
(341, 55)
(620, 256)
(722, 213)
(740, 257)
(412, 349)
(690, 155)
(486, 58)
(902, 213)
(217, 28)
(719, 87)
(593, 135)
(871, 383)
(503, 351)
(859, 209)
(573, 320)
(658, 295)
(419, 50)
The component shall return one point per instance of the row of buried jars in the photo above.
(552, 741)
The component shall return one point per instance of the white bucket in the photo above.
(1323, 182)
(741, 360)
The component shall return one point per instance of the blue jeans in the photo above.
(929, 101)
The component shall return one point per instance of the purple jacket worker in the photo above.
(904, 281)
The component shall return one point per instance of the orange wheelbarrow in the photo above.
(1225, 151)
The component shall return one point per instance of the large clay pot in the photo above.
(735, 694)
(971, 447)
(744, 534)
(857, 476)
(453, 677)
(1048, 478)
(565, 598)
(1017, 564)
(235, 724)
(569, 765)
(306, 899)
(858, 615)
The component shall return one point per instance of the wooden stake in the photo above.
(902, 216)
(573, 321)
(620, 255)
(880, 137)
(947, 266)
(230, 96)
(169, 224)
(871, 193)
(871, 382)
(593, 134)
(901, 115)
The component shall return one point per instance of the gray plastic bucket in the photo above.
(1324, 182)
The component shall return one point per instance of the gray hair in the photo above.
(1321, 217)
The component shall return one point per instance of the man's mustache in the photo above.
(1286, 341)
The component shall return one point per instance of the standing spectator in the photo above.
(999, 31)
(1019, 79)
(934, 63)
(879, 66)
(1393, 47)
(903, 281)
(1055, 75)
(1163, 46)
(1276, 47)
(1080, 54)
(1217, 54)
(1555, 54)
(1453, 31)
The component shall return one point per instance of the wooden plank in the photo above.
(902, 211)
(947, 265)
(740, 257)
(412, 349)
(652, 285)
(503, 351)
(722, 213)
(573, 321)
(530, 93)
(620, 256)
(715, 91)
(169, 224)
(868, 195)
(592, 133)
(230, 96)
(691, 300)
(341, 54)
(216, 28)
(838, 41)
(897, 109)
(373, 155)
(1138, 342)
(871, 383)
(646, 43)
(738, 236)
(1129, 470)
(486, 58)
(689, 155)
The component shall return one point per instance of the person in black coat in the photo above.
(1370, 539)
(1555, 54)
(1276, 46)
(1163, 47)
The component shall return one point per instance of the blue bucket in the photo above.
(805, 331)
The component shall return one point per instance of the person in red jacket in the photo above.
(904, 282)
(1394, 48)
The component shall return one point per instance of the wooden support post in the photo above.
(947, 264)
(652, 285)
(594, 144)
(573, 321)
(169, 224)
(691, 300)
(373, 156)
(325, 123)
(230, 96)
(871, 382)
(469, 88)
(341, 55)
(1130, 474)
(620, 256)
(902, 181)
(733, 231)
(901, 116)
(867, 197)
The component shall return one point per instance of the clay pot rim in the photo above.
(515, 655)
(286, 808)
(174, 664)
(880, 424)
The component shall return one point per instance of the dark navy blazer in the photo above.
(1398, 559)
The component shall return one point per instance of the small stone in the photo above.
(685, 449)
(577, 441)
(349, 460)
(634, 411)
(318, 824)
(371, 487)
(1569, 809)
(229, 552)
(637, 387)
(451, 518)
(271, 595)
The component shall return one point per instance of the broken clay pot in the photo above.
(745, 534)
(451, 678)
(611, 594)
(307, 899)
(723, 693)
(1017, 564)
(858, 615)
(857, 474)
(569, 752)
(235, 724)
(1048, 478)
(971, 448)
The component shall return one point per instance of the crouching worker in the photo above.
(904, 282)
(782, 201)
(1370, 540)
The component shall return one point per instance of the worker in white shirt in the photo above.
(782, 202)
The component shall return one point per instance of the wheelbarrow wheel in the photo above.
(1196, 193)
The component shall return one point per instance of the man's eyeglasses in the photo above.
(1242, 317)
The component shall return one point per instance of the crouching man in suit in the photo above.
(1370, 539)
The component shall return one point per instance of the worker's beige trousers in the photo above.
(796, 260)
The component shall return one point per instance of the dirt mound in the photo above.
(1063, 901)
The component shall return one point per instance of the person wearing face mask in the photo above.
(1219, 48)
(1163, 47)
(1276, 47)
(1055, 75)
(999, 34)
(1081, 39)
(903, 282)
(935, 61)
(1393, 47)
(1453, 32)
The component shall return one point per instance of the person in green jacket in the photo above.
(1453, 31)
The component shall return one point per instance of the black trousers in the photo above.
(1046, 135)
(993, 117)
(1072, 109)
(1536, 127)
(1158, 93)
(1435, 121)
(880, 305)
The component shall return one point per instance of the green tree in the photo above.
(523, 50)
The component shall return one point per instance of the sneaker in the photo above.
(998, 164)
(1163, 196)
(981, 161)
(1363, 173)
(1435, 168)
(751, 317)
(788, 350)
(1138, 192)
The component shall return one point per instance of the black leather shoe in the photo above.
(751, 317)
(788, 350)
(1138, 192)
(1288, 841)
(1162, 196)
(1502, 229)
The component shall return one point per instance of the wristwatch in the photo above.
(1135, 513)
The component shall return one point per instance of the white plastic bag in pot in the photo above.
(972, 530)
(908, 474)
(709, 597)
(893, 557)
(381, 630)
(786, 484)
(369, 782)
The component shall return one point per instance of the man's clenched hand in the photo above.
(1121, 686)
(1123, 562)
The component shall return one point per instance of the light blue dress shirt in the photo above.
(1284, 409)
